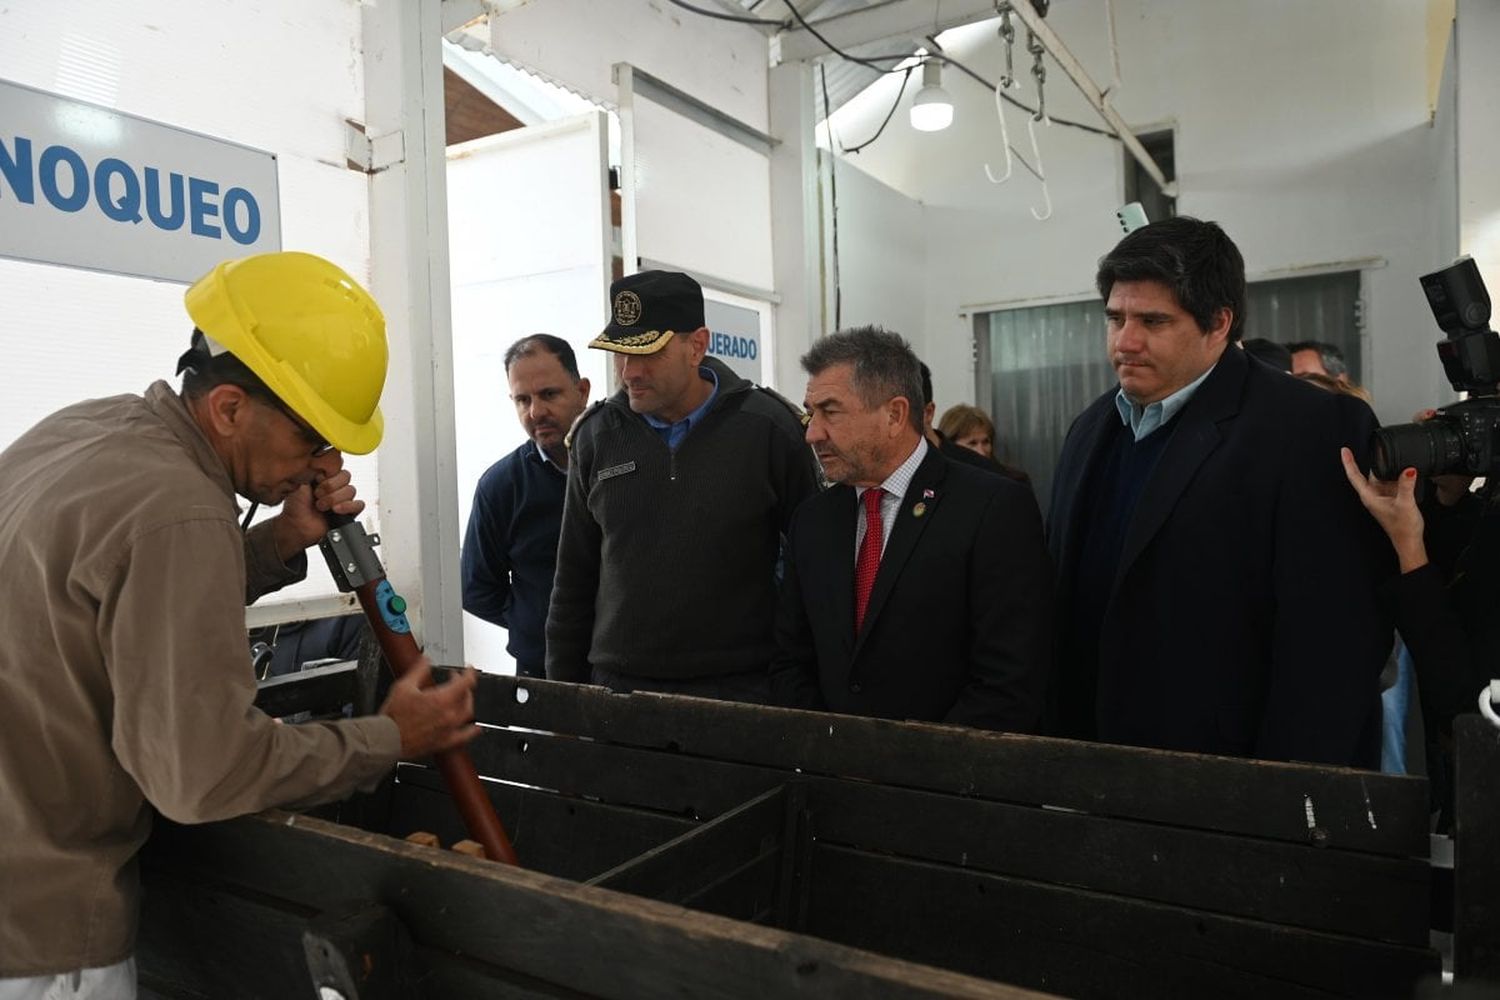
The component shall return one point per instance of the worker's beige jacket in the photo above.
(125, 681)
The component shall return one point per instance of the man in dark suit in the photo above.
(914, 588)
(1217, 587)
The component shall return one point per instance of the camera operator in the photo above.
(1448, 544)
(1444, 599)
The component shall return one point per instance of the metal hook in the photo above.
(1004, 140)
(1041, 173)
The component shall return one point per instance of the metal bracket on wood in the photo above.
(359, 952)
(371, 154)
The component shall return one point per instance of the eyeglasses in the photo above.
(315, 441)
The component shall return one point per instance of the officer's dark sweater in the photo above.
(1111, 497)
(666, 564)
(510, 551)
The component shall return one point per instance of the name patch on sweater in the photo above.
(613, 471)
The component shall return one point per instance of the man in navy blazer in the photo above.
(1217, 587)
(915, 587)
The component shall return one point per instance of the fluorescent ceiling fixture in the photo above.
(932, 108)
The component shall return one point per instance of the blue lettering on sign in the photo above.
(120, 191)
(17, 171)
(726, 346)
(48, 167)
(201, 208)
(173, 219)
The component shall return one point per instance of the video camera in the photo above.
(1462, 439)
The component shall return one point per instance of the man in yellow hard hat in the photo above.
(125, 685)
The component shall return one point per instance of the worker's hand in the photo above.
(432, 718)
(1394, 507)
(302, 521)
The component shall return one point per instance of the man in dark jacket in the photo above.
(916, 588)
(510, 549)
(1194, 613)
(680, 490)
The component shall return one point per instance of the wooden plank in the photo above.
(1087, 944)
(1476, 852)
(570, 838)
(1363, 895)
(745, 893)
(321, 690)
(591, 941)
(1338, 808)
(668, 782)
(682, 869)
(199, 939)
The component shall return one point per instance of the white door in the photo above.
(529, 240)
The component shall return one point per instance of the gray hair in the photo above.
(884, 367)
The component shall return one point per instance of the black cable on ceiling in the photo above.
(722, 16)
(872, 62)
(888, 115)
(833, 194)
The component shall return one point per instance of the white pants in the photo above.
(112, 982)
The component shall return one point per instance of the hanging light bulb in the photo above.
(932, 108)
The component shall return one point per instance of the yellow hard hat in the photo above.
(311, 334)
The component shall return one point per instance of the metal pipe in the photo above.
(352, 560)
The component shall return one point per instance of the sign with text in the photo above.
(734, 338)
(85, 186)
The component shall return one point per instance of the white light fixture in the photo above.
(932, 108)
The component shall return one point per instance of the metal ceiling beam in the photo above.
(1091, 92)
(891, 19)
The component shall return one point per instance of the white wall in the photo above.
(1302, 128)
(281, 76)
(882, 256)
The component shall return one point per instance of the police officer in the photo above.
(680, 489)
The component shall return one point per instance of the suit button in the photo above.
(854, 688)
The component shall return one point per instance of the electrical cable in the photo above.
(833, 196)
(721, 16)
(872, 62)
(889, 115)
(866, 61)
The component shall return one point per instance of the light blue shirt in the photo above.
(1143, 420)
(673, 434)
(895, 487)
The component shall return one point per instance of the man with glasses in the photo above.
(125, 682)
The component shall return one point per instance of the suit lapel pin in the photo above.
(919, 509)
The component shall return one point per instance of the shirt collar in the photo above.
(708, 375)
(897, 483)
(1143, 420)
(173, 411)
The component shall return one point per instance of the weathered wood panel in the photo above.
(668, 782)
(568, 837)
(1476, 852)
(523, 926)
(1087, 944)
(1332, 807)
(1341, 891)
(703, 866)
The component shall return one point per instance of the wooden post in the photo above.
(1476, 861)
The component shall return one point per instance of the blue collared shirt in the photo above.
(1143, 420)
(673, 434)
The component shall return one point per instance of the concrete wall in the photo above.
(1303, 129)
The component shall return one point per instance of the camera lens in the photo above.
(1433, 448)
